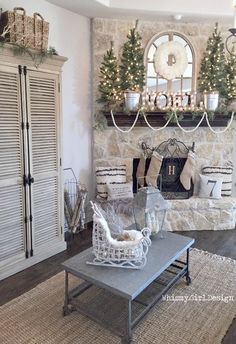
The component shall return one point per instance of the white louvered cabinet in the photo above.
(31, 208)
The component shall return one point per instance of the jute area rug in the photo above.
(36, 317)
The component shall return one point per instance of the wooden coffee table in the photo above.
(129, 285)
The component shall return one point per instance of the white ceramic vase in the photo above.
(211, 100)
(132, 100)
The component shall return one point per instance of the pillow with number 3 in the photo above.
(210, 187)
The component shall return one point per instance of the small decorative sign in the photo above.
(185, 101)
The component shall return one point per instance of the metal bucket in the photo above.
(211, 100)
(132, 100)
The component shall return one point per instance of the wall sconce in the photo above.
(231, 39)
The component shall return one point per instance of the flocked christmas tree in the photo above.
(212, 76)
(109, 85)
(231, 76)
(132, 70)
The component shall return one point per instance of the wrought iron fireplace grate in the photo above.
(174, 154)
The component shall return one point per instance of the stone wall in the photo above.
(112, 147)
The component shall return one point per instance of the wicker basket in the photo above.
(30, 32)
(124, 254)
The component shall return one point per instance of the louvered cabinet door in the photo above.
(45, 158)
(12, 227)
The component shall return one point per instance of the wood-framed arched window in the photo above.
(154, 82)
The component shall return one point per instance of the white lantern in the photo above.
(150, 209)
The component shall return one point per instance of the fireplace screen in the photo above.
(174, 155)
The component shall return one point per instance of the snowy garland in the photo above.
(122, 130)
(161, 57)
(174, 116)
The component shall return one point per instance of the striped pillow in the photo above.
(109, 175)
(225, 172)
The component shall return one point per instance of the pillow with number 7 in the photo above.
(210, 187)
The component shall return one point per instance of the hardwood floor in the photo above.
(218, 242)
(27, 279)
(222, 242)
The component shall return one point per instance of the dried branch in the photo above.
(6, 30)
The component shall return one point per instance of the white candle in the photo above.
(235, 16)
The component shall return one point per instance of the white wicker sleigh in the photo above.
(111, 252)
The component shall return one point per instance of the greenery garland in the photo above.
(38, 57)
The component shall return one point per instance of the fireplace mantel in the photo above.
(158, 119)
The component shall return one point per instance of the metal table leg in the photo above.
(66, 309)
(127, 339)
(188, 278)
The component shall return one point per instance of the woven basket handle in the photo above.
(38, 15)
(15, 9)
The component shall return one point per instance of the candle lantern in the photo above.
(150, 210)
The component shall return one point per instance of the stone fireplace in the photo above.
(112, 147)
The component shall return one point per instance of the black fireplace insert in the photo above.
(174, 154)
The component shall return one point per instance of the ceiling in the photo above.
(189, 10)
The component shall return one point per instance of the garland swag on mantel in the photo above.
(174, 116)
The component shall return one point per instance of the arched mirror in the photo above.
(154, 82)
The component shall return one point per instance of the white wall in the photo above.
(234, 171)
(70, 35)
